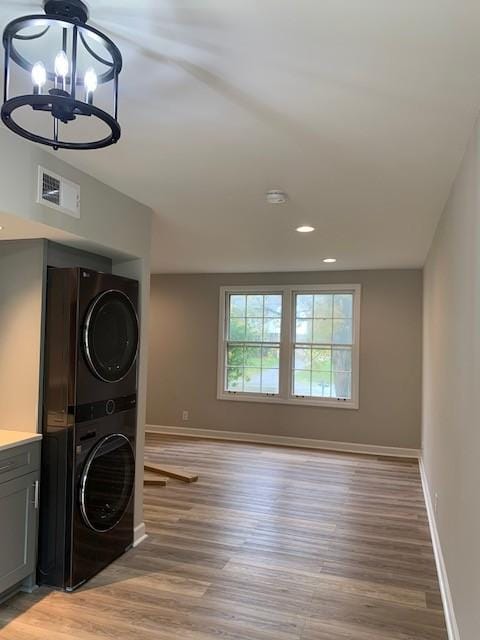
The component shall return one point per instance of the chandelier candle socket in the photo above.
(73, 71)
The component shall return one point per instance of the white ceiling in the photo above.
(359, 109)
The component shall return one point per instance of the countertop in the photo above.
(9, 439)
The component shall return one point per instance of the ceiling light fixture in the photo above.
(329, 260)
(305, 229)
(77, 58)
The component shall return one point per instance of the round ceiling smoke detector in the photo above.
(275, 196)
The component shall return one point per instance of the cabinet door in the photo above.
(18, 529)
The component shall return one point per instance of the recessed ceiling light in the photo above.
(305, 229)
(1, 228)
(329, 259)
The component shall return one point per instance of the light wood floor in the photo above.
(270, 544)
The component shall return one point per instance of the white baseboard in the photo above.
(285, 441)
(139, 534)
(450, 620)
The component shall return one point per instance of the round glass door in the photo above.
(111, 336)
(107, 483)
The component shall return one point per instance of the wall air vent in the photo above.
(58, 193)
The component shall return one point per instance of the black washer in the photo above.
(111, 336)
(110, 407)
(107, 482)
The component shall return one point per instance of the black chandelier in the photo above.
(72, 74)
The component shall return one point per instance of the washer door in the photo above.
(111, 336)
(107, 482)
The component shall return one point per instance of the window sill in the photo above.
(308, 402)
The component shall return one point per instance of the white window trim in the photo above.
(285, 395)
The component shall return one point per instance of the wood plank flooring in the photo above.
(270, 544)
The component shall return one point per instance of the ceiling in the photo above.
(360, 110)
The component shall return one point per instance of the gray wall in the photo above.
(108, 218)
(21, 299)
(451, 382)
(183, 360)
(58, 255)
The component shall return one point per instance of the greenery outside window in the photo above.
(290, 344)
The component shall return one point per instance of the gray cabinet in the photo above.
(19, 501)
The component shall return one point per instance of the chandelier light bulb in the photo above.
(61, 64)
(39, 75)
(90, 80)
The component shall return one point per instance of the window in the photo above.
(293, 344)
(253, 343)
(322, 362)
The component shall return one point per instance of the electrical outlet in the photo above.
(435, 503)
(185, 416)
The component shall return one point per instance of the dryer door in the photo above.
(110, 336)
(107, 482)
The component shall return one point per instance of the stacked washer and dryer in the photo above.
(89, 425)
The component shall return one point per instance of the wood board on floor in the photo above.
(171, 472)
(150, 477)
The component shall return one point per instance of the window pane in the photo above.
(269, 380)
(235, 356)
(254, 330)
(273, 306)
(322, 331)
(254, 318)
(253, 356)
(342, 359)
(252, 379)
(303, 331)
(271, 330)
(237, 306)
(321, 384)
(342, 331)
(304, 306)
(237, 329)
(303, 358)
(234, 379)
(321, 359)
(342, 384)
(342, 306)
(255, 306)
(323, 305)
(271, 357)
(301, 383)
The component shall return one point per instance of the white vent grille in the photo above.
(58, 193)
(51, 189)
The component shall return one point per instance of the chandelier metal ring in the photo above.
(81, 109)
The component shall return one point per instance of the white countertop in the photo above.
(9, 439)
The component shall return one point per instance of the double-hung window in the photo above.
(290, 344)
(252, 343)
